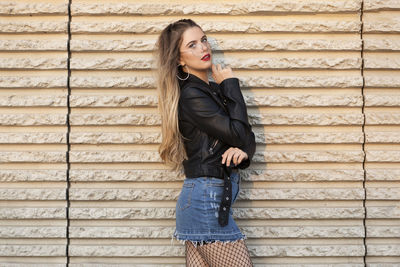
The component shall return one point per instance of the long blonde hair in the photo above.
(166, 55)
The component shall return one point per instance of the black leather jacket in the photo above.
(213, 118)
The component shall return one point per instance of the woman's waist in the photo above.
(207, 170)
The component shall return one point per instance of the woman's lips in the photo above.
(206, 57)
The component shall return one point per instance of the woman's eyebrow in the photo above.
(195, 40)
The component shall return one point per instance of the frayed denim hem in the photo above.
(204, 242)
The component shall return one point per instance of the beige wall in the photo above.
(81, 180)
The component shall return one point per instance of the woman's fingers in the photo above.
(240, 158)
(219, 73)
(229, 157)
(216, 68)
(233, 154)
(235, 157)
(225, 155)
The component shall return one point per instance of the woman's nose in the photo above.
(204, 47)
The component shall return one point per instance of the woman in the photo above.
(204, 128)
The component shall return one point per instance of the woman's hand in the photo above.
(235, 154)
(219, 74)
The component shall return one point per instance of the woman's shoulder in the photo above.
(194, 90)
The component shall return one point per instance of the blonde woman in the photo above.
(205, 130)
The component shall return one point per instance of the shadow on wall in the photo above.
(253, 112)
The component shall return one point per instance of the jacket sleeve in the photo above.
(230, 90)
(233, 128)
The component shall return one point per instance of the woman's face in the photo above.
(193, 48)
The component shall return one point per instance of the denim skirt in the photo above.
(197, 211)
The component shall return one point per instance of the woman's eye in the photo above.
(192, 45)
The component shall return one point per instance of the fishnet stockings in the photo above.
(217, 254)
(193, 256)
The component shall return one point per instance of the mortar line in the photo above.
(364, 138)
(68, 131)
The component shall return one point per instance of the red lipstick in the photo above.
(206, 57)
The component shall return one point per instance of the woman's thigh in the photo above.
(229, 254)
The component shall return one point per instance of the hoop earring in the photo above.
(180, 77)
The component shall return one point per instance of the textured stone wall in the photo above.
(81, 183)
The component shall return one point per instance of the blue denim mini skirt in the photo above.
(197, 211)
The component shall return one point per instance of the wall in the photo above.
(82, 183)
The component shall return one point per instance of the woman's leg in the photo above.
(233, 254)
(193, 257)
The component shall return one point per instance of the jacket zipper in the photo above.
(212, 147)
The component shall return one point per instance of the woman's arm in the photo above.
(230, 90)
(233, 98)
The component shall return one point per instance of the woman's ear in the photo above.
(181, 62)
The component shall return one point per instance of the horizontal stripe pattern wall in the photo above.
(33, 133)
(82, 183)
(382, 131)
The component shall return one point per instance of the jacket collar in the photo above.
(212, 88)
(193, 79)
